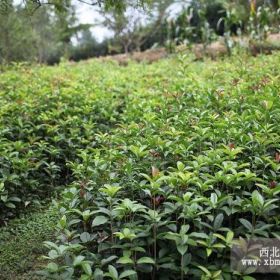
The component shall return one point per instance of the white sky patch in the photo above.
(175, 8)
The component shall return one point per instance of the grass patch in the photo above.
(21, 243)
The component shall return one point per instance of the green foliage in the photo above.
(39, 36)
(174, 161)
(203, 20)
(44, 120)
(263, 19)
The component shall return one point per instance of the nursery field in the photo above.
(154, 168)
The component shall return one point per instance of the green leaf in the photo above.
(182, 249)
(219, 236)
(184, 229)
(246, 224)
(230, 236)
(218, 245)
(98, 274)
(85, 237)
(125, 260)
(180, 166)
(127, 273)
(78, 260)
(108, 260)
(15, 199)
(267, 104)
(208, 251)
(10, 205)
(146, 260)
(99, 220)
(213, 198)
(216, 274)
(113, 272)
(199, 235)
(248, 278)
(205, 270)
(63, 221)
(53, 254)
(257, 199)
(218, 221)
(52, 267)
(83, 277)
(1, 186)
(87, 268)
(4, 198)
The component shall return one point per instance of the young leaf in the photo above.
(257, 199)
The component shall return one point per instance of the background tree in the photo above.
(67, 27)
(137, 29)
(17, 40)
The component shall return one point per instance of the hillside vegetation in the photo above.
(160, 166)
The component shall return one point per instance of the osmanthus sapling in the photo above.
(158, 189)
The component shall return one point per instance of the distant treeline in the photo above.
(46, 34)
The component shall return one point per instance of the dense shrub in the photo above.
(192, 163)
(46, 115)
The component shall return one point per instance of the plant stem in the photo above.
(182, 268)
